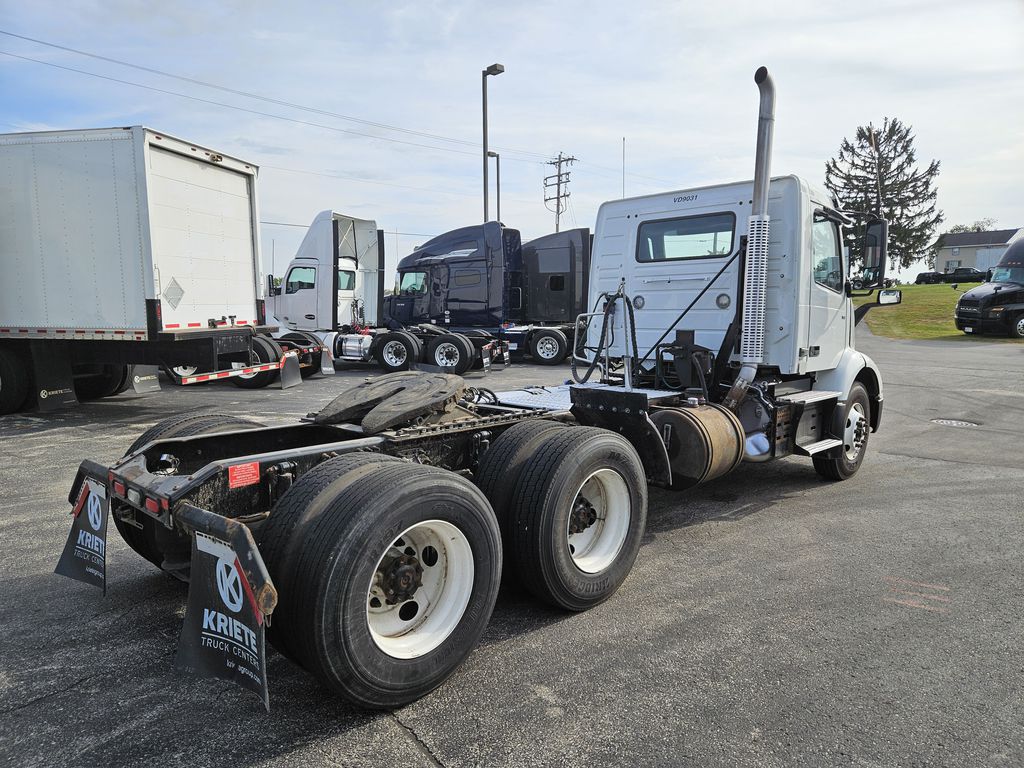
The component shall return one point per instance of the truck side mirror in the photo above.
(272, 288)
(890, 296)
(875, 241)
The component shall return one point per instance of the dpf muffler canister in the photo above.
(703, 442)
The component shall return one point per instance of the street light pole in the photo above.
(497, 180)
(494, 69)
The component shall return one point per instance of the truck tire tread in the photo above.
(541, 562)
(283, 532)
(340, 652)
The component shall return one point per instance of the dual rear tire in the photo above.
(572, 507)
(382, 607)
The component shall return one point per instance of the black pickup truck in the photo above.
(964, 275)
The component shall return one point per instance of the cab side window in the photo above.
(300, 278)
(827, 256)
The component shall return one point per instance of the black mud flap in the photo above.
(290, 375)
(85, 554)
(144, 379)
(223, 632)
(51, 372)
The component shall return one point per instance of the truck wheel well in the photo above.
(868, 378)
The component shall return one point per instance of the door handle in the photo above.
(310, 317)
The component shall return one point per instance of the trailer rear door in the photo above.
(201, 222)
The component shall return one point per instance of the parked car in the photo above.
(964, 275)
(928, 278)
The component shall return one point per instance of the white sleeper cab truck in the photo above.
(376, 531)
(127, 246)
(333, 289)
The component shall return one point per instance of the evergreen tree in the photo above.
(878, 173)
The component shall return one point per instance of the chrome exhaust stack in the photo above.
(755, 286)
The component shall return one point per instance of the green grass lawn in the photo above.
(925, 313)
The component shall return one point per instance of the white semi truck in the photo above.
(127, 246)
(375, 531)
(333, 290)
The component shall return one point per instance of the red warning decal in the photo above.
(243, 474)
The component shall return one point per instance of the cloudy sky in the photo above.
(382, 100)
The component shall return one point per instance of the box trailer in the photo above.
(126, 246)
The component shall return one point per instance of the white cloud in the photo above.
(674, 78)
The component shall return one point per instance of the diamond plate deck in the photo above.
(558, 399)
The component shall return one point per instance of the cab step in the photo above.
(809, 396)
(812, 449)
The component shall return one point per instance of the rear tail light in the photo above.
(153, 505)
(119, 488)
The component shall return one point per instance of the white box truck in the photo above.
(127, 246)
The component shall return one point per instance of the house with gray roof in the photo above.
(981, 250)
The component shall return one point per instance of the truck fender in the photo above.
(853, 367)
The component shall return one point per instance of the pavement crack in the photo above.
(424, 748)
(59, 691)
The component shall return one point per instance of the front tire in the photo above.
(579, 516)
(394, 583)
(1017, 327)
(843, 462)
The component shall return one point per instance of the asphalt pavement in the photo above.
(771, 619)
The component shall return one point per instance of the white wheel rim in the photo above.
(394, 353)
(424, 614)
(447, 355)
(856, 432)
(236, 366)
(1020, 327)
(185, 370)
(595, 547)
(547, 348)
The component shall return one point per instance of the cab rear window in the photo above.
(706, 236)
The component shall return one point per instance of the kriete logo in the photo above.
(229, 585)
(95, 511)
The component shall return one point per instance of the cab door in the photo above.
(298, 299)
(827, 325)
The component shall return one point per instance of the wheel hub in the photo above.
(583, 516)
(399, 577)
(547, 348)
(855, 433)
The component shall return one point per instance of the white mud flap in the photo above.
(223, 632)
(290, 375)
(327, 362)
(85, 554)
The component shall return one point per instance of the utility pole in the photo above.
(560, 181)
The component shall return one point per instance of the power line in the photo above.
(432, 190)
(280, 102)
(250, 111)
(260, 97)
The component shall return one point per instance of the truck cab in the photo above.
(335, 278)
(998, 305)
(667, 249)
